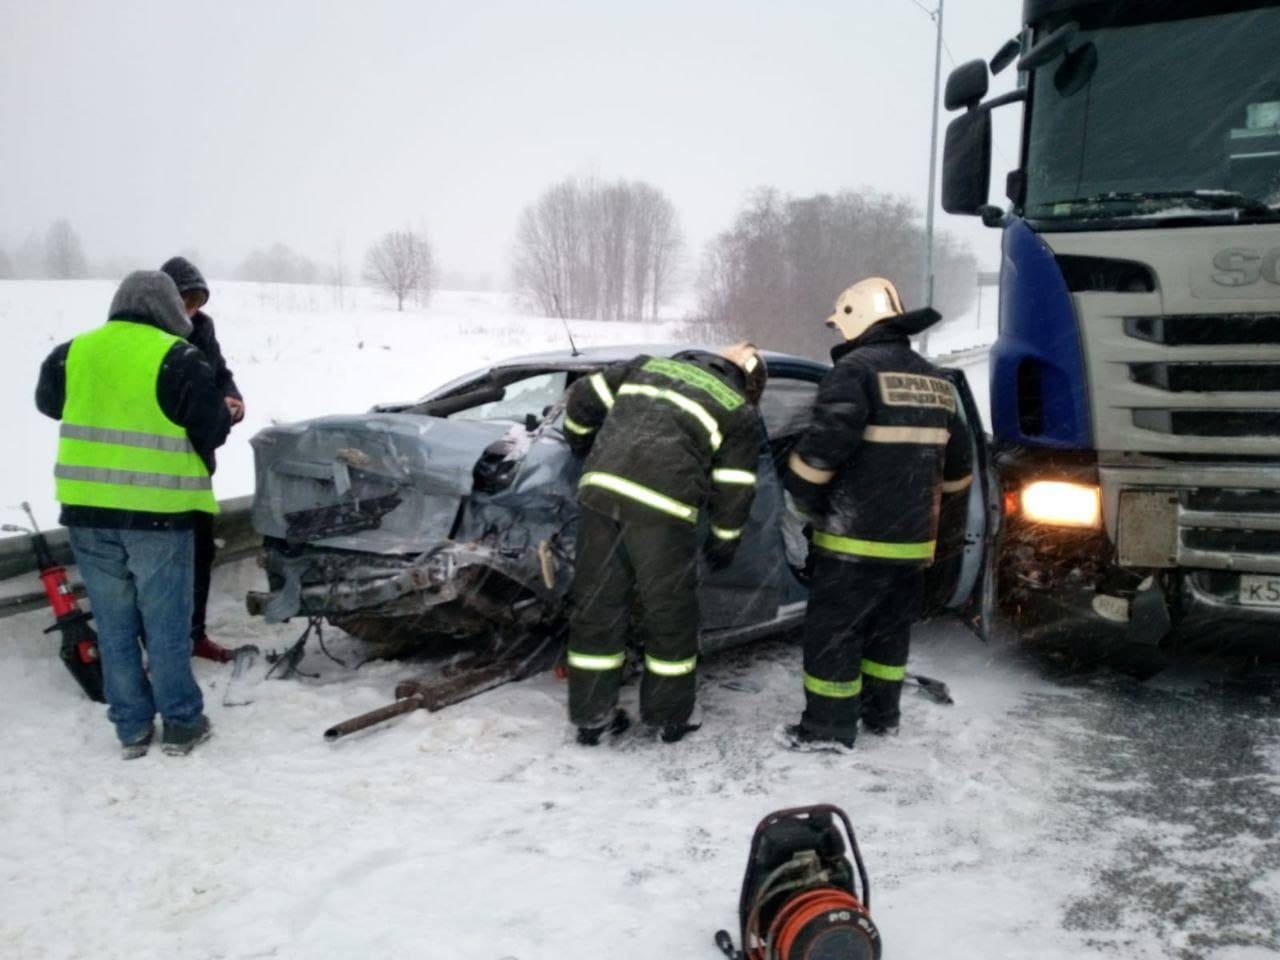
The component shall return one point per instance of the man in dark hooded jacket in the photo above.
(141, 417)
(195, 294)
(885, 444)
(666, 439)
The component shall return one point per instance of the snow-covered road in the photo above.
(1038, 817)
(1046, 814)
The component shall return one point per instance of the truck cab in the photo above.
(1135, 381)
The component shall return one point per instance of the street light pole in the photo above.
(933, 175)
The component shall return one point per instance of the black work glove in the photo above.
(719, 553)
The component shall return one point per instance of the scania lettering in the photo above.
(1135, 380)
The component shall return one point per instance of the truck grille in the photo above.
(1210, 423)
(1189, 384)
(1210, 517)
(1204, 330)
(1233, 541)
(1207, 377)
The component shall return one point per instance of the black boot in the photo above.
(800, 736)
(181, 738)
(590, 736)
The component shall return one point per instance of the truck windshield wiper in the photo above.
(1212, 199)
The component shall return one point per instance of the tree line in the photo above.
(773, 276)
(591, 249)
(606, 251)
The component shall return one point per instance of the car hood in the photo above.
(379, 483)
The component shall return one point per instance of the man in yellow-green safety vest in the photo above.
(141, 416)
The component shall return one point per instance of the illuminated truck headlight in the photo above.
(1061, 504)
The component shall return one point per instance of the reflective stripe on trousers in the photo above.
(882, 671)
(596, 661)
(835, 689)
(670, 668)
(640, 494)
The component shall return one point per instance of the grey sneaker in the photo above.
(139, 745)
(181, 738)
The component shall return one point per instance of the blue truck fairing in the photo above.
(1038, 387)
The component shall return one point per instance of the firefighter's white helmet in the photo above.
(864, 304)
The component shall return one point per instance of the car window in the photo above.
(786, 406)
(531, 395)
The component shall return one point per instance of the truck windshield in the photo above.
(1180, 117)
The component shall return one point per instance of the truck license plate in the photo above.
(1259, 590)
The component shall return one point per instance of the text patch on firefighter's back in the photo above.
(915, 390)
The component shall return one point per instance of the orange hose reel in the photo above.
(805, 894)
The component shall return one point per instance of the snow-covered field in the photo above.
(296, 352)
(299, 351)
(1037, 817)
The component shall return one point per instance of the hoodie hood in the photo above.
(149, 296)
(185, 276)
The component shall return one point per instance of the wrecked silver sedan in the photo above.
(449, 523)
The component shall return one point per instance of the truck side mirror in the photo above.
(967, 85)
(1006, 55)
(966, 163)
(1050, 48)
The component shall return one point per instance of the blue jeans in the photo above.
(140, 583)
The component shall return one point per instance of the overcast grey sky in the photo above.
(158, 126)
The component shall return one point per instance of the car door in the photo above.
(759, 592)
(962, 577)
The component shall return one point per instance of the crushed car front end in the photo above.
(414, 530)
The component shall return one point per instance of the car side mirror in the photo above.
(966, 163)
(967, 85)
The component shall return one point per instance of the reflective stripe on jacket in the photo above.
(669, 439)
(117, 449)
(887, 439)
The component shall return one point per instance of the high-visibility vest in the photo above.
(117, 449)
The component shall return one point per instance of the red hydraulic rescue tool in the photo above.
(79, 643)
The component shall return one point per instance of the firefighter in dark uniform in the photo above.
(666, 440)
(885, 444)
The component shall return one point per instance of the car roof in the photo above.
(591, 357)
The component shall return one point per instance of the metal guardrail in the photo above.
(232, 526)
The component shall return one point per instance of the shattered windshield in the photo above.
(1181, 116)
(528, 397)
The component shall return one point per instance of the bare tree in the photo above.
(400, 263)
(64, 257)
(774, 274)
(6, 267)
(605, 251)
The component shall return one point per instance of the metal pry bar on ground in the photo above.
(431, 695)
